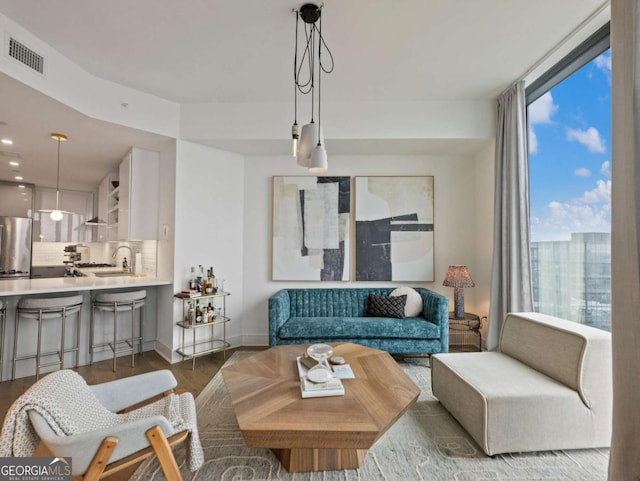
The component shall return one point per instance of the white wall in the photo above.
(457, 222)
(209, 211)
(478, 298)
(166, 248)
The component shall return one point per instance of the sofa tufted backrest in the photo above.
(333, 302)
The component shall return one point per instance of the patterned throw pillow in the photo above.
(383, 306)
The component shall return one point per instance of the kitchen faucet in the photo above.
(113, 255)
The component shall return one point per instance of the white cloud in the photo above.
(589, 213)
(582, 172)
(590, 138)
(601, 193)
(533, 140)
(605, 168)
(541, 111)
(603, 62)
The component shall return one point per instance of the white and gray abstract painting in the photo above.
(311, 217)
(394, 228)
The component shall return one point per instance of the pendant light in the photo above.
(311, 152)
(57, 214)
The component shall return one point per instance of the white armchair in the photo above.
(95, 427)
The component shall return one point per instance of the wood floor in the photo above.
(193, 381)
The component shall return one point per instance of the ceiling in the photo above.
(242, 51)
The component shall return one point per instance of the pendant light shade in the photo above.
(308, 67)
(57, 214)
(319, 162)
(308, 142)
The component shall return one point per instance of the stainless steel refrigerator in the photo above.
(15, 247)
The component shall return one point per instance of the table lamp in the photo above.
(458, 277)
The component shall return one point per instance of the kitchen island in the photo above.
(88, 285)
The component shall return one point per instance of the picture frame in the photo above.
(394, 228)
(311, 228)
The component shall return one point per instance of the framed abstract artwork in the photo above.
(311, 223)
(394, 228)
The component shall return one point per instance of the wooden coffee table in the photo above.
(317, 434)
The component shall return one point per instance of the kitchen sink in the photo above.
(112, 273)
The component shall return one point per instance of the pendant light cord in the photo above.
(58, 179)
(295, 76)
(319, 78)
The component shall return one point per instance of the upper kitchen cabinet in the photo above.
(16, 199)
(72, 227)
(108, 200)
(138, 192)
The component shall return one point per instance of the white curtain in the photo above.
(624, 460)
(511, 272)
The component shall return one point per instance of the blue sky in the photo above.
(570, 153)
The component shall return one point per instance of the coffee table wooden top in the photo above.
(265, 393)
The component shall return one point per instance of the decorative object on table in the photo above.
(321, 372)
(310, 150)
(56, 214)
(311, 223)
(458, 277)
(394, 228)
(309, 389)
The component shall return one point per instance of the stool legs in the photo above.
(114, 306)
(115, 335)
(39, 318)
(2, 319)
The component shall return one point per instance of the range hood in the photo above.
(95, 221)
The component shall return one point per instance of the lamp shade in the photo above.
(319, 160)
(458, 276)
(308, 142)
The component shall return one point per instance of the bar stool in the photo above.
(2, 321)
(45, 309)
(118, 302)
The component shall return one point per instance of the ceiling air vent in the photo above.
(25, 55)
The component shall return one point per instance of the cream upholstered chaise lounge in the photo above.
(548, 386)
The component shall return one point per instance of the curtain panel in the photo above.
(511, 271)
(624, 460)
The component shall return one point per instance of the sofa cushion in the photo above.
(386, 306)
(358, 328)
(414, 305)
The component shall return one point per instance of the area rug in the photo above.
(424, 444)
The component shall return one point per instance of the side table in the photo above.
(464, 334)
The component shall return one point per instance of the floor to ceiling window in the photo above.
(569, 113)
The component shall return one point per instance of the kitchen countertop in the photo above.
(17, 287)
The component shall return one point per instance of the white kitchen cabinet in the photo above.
(138, 195)
(108, 208)
(16, 199)
(72, 227)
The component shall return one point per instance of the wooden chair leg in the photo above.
(101, 459)
(165, 454)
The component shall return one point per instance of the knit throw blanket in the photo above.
(70, 407)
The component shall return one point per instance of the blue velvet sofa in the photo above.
(307, 316)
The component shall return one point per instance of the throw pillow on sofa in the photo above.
(413, 306)
(383, 306)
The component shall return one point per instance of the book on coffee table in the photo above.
(310, 389)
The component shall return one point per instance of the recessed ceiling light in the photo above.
(18, 177)
(7, 141)
(23, 193)
(14, 163)
(21, 186)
